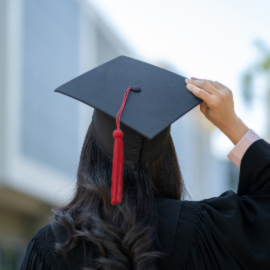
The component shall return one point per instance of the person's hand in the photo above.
(218, 107)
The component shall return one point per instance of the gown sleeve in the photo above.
(233, 230)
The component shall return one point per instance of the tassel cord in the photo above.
(118, 157)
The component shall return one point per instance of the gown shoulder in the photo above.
(40, 254)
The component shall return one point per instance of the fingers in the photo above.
(205, 85)
(217, 92)
(218, 85)
(198, 92)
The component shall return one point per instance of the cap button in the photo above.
(136, 89)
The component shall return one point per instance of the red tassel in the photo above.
(118, 158)
(117, 168)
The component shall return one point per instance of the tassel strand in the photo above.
(118, 157)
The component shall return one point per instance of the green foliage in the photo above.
(247, 87)
(266, 64)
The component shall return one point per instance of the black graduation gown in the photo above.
(231, 231)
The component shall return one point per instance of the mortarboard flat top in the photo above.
(162, 100)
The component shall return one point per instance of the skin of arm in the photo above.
(218, 107)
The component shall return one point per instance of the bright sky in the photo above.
(210, 39)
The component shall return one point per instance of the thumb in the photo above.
(203, 107)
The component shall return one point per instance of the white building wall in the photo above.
(48, 43)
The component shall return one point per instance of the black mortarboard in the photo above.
(157, 98)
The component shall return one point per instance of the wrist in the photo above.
(235, 130)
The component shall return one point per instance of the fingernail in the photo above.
(189, 85)
(188, 80)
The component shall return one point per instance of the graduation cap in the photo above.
(144, 98)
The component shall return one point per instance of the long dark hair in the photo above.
(121, 236)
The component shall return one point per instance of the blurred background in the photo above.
(45, 43)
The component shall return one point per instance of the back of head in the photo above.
(122, 236)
